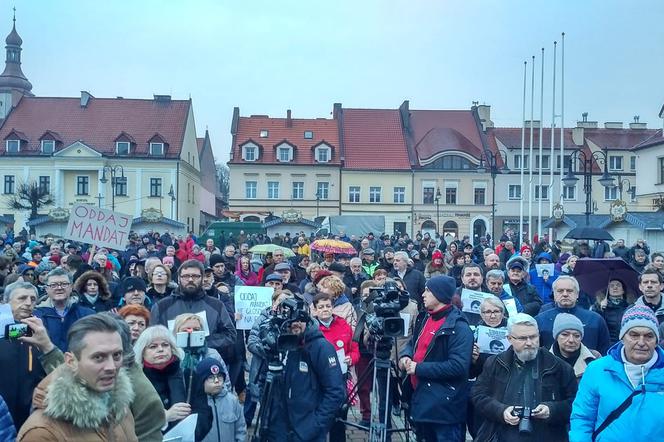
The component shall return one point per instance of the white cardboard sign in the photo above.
(250, 302)
(101, 227)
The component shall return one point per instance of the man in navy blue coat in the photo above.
(438, 359)
(565, 296)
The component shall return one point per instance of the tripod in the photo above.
(384, 374)
(271, 390)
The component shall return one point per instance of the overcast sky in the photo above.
(273, 55)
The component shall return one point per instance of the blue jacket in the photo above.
(7, 429)
(442, 388)
(314, 389)
(544, 288)
(58, 327)
(604, 386)
(595, 332)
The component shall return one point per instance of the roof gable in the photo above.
(77, 149)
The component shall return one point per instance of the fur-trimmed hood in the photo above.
(63, 397)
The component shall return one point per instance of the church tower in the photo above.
(13, 83)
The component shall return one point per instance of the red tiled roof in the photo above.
(249, 128)
(656, 138)
(436, 131)
(373, 139)
(100, 123)
(618, 138)
(511, 137)
(200, 143)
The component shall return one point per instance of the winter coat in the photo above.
(442, 388)
(527, 296)
(544, 288)
(7, 428)
(250, 278)
(340, 332)
(344, 309)
(432, 270)
(555, 386)
(100, 305)
(66, 410)
(354, 282)
(57, 326)
(228, 423)
(258, 365)
(595, 331)
(585, 357)
(612, 315)
(605, 386)
(659, 311)
(415, 283)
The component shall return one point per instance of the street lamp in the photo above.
(491, 160)
(171, 193)
(317, 204)
(437, 201)
(113, 171)
(570, 179)
(627, 185)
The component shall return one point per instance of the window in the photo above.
(611, 193)
(156, 148)
(354, 194)
(518, 162)
(155, 187)
(632, 194)
(120, 186)
(615, 162)
(543, 162)
(541, 193)
(566, 162)
(569, 193)
(13, 146)
(514, 192)
(122, 148)
(374, 194)
(45, 184)
(284, 154)
(264, 133)
(10, 182)
(298, 190)
(399, 195)
(322, 154)
(480, 196)
(661, 170)
(82, 185)
(632, 162)
(48, 146)
(308, 134)
(273, 190)
(323, 190)
(450, 195)
(428, 195)
(249, 153)
(250, 190)
(455, 162)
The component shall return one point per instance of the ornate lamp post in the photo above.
(113, 171)
(491, 160)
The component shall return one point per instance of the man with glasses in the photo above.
(190, 297)
(277, 258)
(524, 388)
(60, 310)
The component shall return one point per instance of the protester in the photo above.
(651, 285)
(611, 305)
(334, 287)
(495, 282)
(354, 278)
(160, 283)
(567, 334)
(519, 288)
(93, 292)
(133, 292)
(413, 278)
(245, 273)
(137, 318)
(436, 267)
(542, 280)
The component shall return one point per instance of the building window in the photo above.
(249, 153)
(399, 195)
(566, 163)
(615, 162)
(323, 154)
(450, 195)
(308, 134)
(611, 193)
(354, 194)
(155, 187)
(518, 162)
(543, 162)
(632, 194)
(428, 195)
(514, 192)
(122, 148)
(120, 185)
(632, 162)
(541, 193)
(82, 185)
(44, 184)
(264, 133)
(48, 146)
(374, 194)
(156, 149)
(250, 190)
(284, 154)
(323, 190)
(480, 196)
(569, 193)
(273, 190)
(298, 190)
(10, 183)
(661, 170)
(13, 146)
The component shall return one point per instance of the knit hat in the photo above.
(524, 247)
(437, 255)
(209, 367)
(442, 287)
(639, 315)
(216, 258)
(320, 275)
(565, 321)
(132, 283)
(388, 250)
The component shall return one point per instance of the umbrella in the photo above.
(333, 246)
(594, 275)
(263, 249)
(587, 232)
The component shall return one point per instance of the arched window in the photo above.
(251, 218)
(451, 228)
(451, 162)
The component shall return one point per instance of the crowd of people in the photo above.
(126, 344)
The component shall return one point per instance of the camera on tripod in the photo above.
(384, 319)
(275, 332)
(525, 413)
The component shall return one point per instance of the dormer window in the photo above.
(157, 149)
(13, 146)
(323, 154)
(264, 133)
(48, 146)
(250, 153)
(308, 134)
(122, 147)
(284, 153)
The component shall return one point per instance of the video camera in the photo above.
(275, 333)
(383, 318)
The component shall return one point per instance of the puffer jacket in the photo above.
(605, 386)
(228, 423)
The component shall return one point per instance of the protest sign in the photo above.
(101, 227)
(184, 431)
(202, 315)
(510, 306)
(545, 269)
(250, 302)
(472, 299)
(492, 340)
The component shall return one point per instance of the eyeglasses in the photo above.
(492, 312)
(526, 338)
(159, 274)
(194, 277)
(58, 285)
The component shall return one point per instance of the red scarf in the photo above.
(431, 326)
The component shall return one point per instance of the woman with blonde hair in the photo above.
(93, 291)
(335, 288)
(160, 278)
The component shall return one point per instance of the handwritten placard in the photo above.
(101, 227)
(250, 302)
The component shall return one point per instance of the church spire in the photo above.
(13, 78)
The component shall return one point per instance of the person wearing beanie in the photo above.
(567, 345)
(438, 359)
(633, 368)
(436, 267)
(228, 422)
(543, 280)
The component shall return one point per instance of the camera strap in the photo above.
(359, 328)
(615, 414)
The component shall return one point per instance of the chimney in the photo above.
(585, 123)
(613, 125)
(637, 125)
(289, 120)
(535, 123)
(162, 98)
(484, 112)
(85, 98)
(404, 112)
(336, 110)
(577, 135)
(235, 121)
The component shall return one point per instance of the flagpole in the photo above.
(541, 155)
(523, 154)
(553, 133)
(530, 153)
(562, 114)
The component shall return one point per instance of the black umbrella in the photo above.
(594, 275)
(587, 232)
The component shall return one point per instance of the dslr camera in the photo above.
(275, 333)
(525, 413)
(383, 318)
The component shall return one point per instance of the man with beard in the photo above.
(491, 262)
(524, 386)
(190, 297)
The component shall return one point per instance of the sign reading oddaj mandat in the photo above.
(250, 302)
(101, 227)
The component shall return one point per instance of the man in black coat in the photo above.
(517, 286)
(438, 359)
(412, 278)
